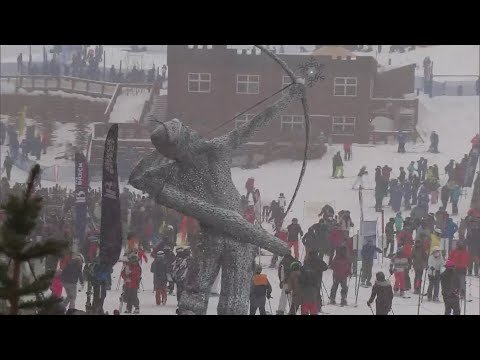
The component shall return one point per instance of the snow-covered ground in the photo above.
(129, 105)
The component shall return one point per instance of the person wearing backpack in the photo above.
(450, 289)
(382, 290)
(309, 289)
(314, 262)
(260, 291)
(283, 276)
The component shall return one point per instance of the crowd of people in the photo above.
(86, 64)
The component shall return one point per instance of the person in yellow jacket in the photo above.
(435, 240)
(430, 174)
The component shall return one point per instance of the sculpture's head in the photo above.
(172, 139)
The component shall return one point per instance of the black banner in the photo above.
(81, 190)
(111, 226)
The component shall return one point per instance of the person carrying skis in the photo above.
(461, 259)
(419, 263)
(159, 269)
(284, 270)
(368, 254)
(398, 266)
(435, 264)
(71, 275)
(390, 235)
(382, 290)
(341, 266)
(260, 291)
(450, 289)
(294, 230)
(359, 180)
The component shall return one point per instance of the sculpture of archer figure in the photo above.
(197, 182)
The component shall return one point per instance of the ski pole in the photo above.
(424, 283)
(370, 306)
(325, 288)
(141, 283)
(358, 289)
(270, 306)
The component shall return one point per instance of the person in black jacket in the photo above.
(390, 234)
(450, 289)
(71, 274)
(159, 269)
(294, 230)
(318, 266)
(382, 290)
(283, 274)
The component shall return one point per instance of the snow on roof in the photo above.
(63, 94)
(333, 51)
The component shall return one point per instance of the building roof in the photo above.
(333, 51)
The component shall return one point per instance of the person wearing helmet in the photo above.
(382, 290)
(132, 275)
(159, 270)
(450, 289)
(435, 264)
(398, 266)
(294, 229)
(260, 290)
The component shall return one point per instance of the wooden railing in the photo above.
(70, 84)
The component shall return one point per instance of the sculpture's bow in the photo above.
(290, 73)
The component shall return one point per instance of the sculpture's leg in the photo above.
(202, 273)
(237, 271)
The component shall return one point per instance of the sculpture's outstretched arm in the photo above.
(245, 132)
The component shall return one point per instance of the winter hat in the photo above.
(258, 269)
(449, 264)
(380, 276)
(295, 266)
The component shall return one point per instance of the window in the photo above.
(248, 84)
(199, 82)
(242, 119)
(343, 125)
(292, 122)
(345, 86)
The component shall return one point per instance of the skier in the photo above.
(359, 181)
(390, 234)
(454, 197)
(398, 266)
(339, 166)
(434, 142)
(260, 291)
(450, 289)
(419, 263)
(396, 194)
(368, 254)
(71, 275)
(379, 194)
(435, 263)
(398, 222)
(309, 287)
(450, 230)
(386, 171)
(445, 195)
(294, 230)
(7, 164)
(284, 270)
(402, 176)
(315, 262)
(132, 275)
(341, 266)
(294, 287)
(347, 149)
(402, 139)
(282, 234)
(282, 202)
(411, 170)
(460, 258)
(327, 212)
(415, 187)
(450, 170)
(407, 194)
(180, 270)
(382, 290)
(334, 164)
(159, 269)
(423, 198)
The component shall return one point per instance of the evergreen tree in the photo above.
(21, 216)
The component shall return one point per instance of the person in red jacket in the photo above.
(347, 149)
(404, 237)
(336, 239)
(341, 266)
(131, 275)
(475, 141)
(461, 259)
(282, 234)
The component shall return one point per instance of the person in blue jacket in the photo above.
(402, 139)
(450, 231)
(407, 194)
(396, 195)
(368, 254)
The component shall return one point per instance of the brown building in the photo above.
(210, 85)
